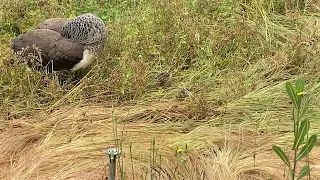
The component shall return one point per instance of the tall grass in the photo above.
(201, 43)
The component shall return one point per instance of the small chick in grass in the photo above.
(183, 93)
(163, 78)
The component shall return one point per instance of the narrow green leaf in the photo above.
(305, 170)
(300, 83)
(281, 154)
(303, 129)
(299, 89)
(307, 148)
(292, 94)
(306, 103)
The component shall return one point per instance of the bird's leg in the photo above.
(86, 61)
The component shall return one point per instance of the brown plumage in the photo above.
(163, 78)
(54, 24)
(56, 52)
(64, 43)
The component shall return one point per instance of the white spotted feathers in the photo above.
(88, 30)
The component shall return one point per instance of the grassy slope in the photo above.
(233, 56)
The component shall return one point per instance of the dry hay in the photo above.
(70, 143)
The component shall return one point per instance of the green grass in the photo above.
(233, 56)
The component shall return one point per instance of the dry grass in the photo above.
(70, 143)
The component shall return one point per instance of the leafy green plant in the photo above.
(301, 127)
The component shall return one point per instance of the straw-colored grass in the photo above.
(70, 143)
(233, 56)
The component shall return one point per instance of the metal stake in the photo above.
(113, 152)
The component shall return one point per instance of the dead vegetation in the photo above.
(70, 143)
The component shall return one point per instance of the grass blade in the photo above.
(281, 154)
(305, 170)
(304, 128)
(307, 148)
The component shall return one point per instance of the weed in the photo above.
(152, 158)
(301, 125)
(130, 147)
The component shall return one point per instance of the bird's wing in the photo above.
(54, 48)
(54, 24)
